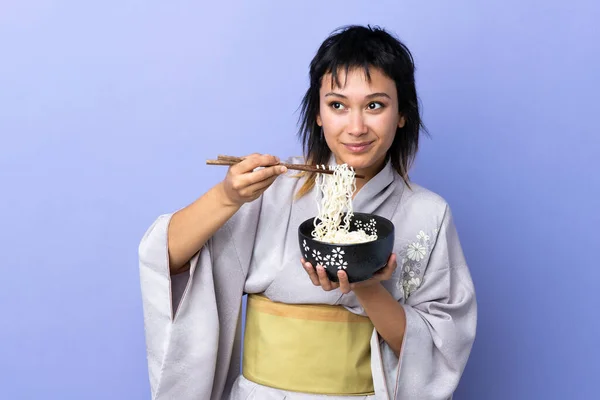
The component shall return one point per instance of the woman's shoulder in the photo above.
(423, 195)
(423, 201)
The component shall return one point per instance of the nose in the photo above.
(356, 125)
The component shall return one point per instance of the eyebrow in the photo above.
(371, 96)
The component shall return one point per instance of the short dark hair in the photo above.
(365, 47)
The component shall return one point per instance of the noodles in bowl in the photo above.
(339, 238)
(332, 224)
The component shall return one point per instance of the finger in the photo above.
(324, 281)
(263, 177)
(250, 155)
(265, 173)
(257, 188)
(252, 183)
(244, 165)
(393, 261)
(387, 272)
(311, 272)
(392, 264)
(253, 161)
(344, 283)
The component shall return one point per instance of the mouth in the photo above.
(358, 147)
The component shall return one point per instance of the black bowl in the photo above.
(359, 260)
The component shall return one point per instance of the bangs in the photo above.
(353, 50)
(346, 68)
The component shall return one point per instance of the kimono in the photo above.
(193, 320)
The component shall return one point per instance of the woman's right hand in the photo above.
(243, 185)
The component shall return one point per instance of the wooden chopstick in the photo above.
(231, 160)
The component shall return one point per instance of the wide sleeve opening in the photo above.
(441, 319)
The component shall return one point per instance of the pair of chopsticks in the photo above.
(231, 160)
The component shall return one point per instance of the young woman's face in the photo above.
(360, 119)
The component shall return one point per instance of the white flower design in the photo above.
(338, 252)
(305, 246)
(416, 251)
(316, 255)
(422, 236)
(335, 259)
(368, 228)
(413, 260)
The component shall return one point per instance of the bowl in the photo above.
(359, 260)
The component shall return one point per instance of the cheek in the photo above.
(329, 138)
(386, 127)
(331, 121)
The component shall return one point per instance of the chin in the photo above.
(358, 161)
(362, 163)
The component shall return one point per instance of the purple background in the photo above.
(108, 111)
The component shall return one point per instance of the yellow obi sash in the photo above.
(319, 349)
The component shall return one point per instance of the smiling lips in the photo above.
(358, 147)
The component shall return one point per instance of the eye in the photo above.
(375, 105)
(336, 105)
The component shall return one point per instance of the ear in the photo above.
(319, 121)
(401, 121)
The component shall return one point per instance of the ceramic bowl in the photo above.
(359, 260)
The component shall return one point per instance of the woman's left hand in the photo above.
(318, 276)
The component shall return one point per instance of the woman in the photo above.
(404, 334)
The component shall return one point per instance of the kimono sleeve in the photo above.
(192, 320)
(441, 319)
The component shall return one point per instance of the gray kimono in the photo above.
(193, 320)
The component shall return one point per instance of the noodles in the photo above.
(332, 225)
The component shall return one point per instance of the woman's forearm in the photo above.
(191, 227)
(385, 312)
